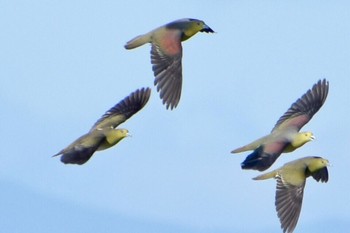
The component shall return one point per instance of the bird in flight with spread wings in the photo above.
(285, 136)
(291, 180)
(104, 133)
(166, 55)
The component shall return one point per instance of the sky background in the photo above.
(63, 64)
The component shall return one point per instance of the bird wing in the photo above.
(304, 108)
(321, 175)
(288, 203)
(81, 150)
(167, 69)
(123, 110)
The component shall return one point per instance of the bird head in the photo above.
(318, 163)
(309, 136)
(122, 133)
(322, 162)
(205, 28)
(300, 139)
(189, 27)
(197, 25)
(113, 136)
(305, 137)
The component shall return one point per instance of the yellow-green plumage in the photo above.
(296, 140)
(112, 137)
(166, 55)
(103, 133)
(285, 136)
(299, 140)
(291, 179)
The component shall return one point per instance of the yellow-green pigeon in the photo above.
(166, 55)
(104, 133)
(291, 179)
(285, 136)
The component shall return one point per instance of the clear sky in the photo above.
(63, 64)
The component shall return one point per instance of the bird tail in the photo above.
(259, 160)
(138, 41)
(251, 146)
(57, 153)
(241, 149)
(265, 176)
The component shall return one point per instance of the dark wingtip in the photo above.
(169, 102)
(136, 100)
(321, 175)
(169, 105)
(144, 94)
(321, 87)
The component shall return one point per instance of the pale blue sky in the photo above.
(63, 64)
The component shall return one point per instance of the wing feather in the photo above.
(168, 75)
(124, 109)
(321, 175)
(305, 107)
(288, 203)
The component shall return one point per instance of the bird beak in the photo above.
(128, 135)
(312, 137)
(207, 29)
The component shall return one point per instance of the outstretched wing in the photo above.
(167, 68)
(123, 110)
(321, 175)
(304, 108)
(288, 203)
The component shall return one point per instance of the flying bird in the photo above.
(104, 133)
(285, 136)
(166, 55)
(291, 179)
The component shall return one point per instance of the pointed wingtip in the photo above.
(146, 91)
(170, 106)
